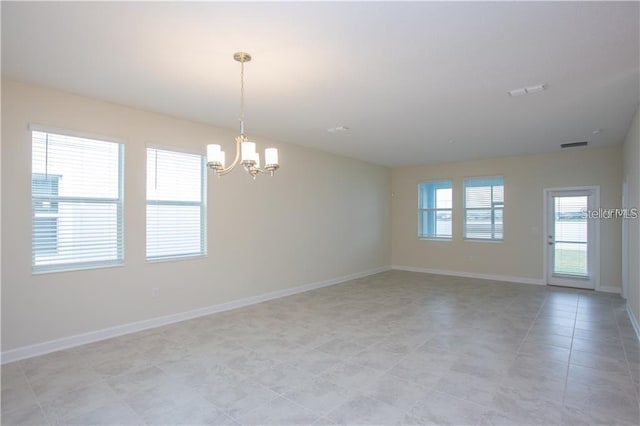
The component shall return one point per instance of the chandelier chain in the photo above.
(241, 90)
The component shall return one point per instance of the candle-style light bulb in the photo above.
(213, 151)
(248, 151)
(271, 156)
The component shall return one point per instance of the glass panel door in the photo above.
(570, 239)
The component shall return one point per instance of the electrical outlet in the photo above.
(155, 292)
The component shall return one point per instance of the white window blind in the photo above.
(176, 207)
(76, 198)
(484, 208)
(435, 210)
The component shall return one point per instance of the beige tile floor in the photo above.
(393, 348)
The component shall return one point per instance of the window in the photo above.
(483, 208)
(434, 210)
(76, 202)
(176, 208)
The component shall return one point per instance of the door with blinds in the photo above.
(571, 238)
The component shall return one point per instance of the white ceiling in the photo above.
(407, 78)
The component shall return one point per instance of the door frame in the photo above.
(593, 222)
(625, 239)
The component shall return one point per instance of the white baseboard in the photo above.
(634, 320)
(610, 289)
(107, 333)
(462, 274)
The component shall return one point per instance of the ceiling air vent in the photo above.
(338, 129)
(527, 90)
(574, 144)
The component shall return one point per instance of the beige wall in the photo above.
(521, 255)
(321, 217)
(632, 176)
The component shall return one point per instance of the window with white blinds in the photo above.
(484, 208)
(176, 207)
(76, 202)
(435, 210)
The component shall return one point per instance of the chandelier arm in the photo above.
(226, 170)
(253, 170)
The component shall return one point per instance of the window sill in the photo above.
(42, 270)
(177, 258)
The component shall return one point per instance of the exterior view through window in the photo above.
(76, 202)
(483, 208)
(435, 210)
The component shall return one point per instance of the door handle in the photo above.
(550, 243)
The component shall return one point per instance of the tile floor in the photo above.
(393, 348)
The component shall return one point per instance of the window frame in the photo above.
(434, 237)
(118, 202)
(202, 204)
(494, 207)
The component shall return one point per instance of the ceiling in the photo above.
(416, 83)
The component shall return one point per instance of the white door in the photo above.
(571, 238)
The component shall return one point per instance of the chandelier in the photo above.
(245, 150)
